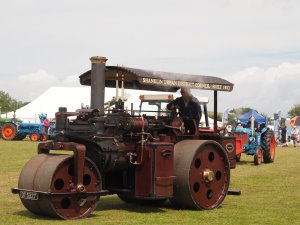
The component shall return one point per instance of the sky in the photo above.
(254, 44)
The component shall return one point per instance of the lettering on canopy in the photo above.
(186, 84)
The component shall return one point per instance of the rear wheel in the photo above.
(258, 156)
(34, 137)
(9, 131)
(268, 146)
(44, 137)
(202, 174)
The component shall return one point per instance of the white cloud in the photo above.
(267, 90)
(29, 86)
(222, 34)
(205, 37)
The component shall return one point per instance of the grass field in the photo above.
(270, 195)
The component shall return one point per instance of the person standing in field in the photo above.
(46, 125)
(294, 135)
(283, 136)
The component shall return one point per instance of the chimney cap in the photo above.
(98, 59)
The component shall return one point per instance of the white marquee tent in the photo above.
(49, 102)
(73, 98)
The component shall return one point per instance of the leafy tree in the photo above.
(264, 115)
(232, 115)
(8, 104)
(219, 117)
(240, 111)
(294, 111)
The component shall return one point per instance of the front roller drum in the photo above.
(54, 174)
(202, 174)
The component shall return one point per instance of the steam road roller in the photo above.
(143, 159)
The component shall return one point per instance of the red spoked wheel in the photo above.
(202, 174)
(34, 137)
(258, 156)
(55, 174)
(9, 131)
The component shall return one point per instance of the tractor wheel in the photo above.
(258, 156)
(202, 174)
(43, 137)
(54, 174)
(34, 137)
(9, 131)
(268, 146)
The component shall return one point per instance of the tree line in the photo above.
(9, 104)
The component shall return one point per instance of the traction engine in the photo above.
(141, 159)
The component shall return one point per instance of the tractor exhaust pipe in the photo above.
(98, 83)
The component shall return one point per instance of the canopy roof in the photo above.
(258, 118)
(295, 121)
(157, 81)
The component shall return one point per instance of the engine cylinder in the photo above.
(136, 124)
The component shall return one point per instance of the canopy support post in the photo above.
(215, 111)
(206, 115)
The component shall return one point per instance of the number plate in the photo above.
(29, 195)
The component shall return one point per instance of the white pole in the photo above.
(122, 91)
(117, 86)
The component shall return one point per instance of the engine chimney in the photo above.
(98, 83)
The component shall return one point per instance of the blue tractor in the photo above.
(253, 137)
(19, 130)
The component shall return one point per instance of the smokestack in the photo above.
(98, 82)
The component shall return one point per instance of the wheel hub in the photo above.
(80, 188)
(208, 175)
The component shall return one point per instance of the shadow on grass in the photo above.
(114, 203)
(28, 214)
(244, 162)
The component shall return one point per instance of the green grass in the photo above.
(270, 195)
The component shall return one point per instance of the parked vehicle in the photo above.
(138, 157)
(254, 137)
(18, 130)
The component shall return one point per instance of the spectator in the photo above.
(294, 135)
(283, 136)
(46, 125)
